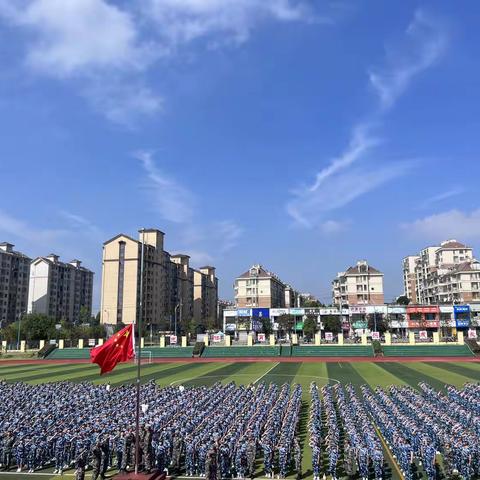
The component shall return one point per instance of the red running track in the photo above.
(262, 359)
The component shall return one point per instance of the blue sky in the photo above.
(299, 134)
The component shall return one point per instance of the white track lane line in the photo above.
(268, 371)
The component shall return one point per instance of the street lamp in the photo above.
(177, 306)
(18, 334)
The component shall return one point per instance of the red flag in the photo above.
(118, 348)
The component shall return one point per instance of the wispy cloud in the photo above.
(360, 143)
(351, 175)
(13, 227)
(171, 200)
(229, 232)
(453, 192)
(176, 203)
(424, 43)
(451, 223)
(182, 21)
(310, 206)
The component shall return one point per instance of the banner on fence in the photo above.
(216, 338)
(261, 337)
(91, 342)
(422, 335)
(472, 333)
(173, 339)
(329, 336)
(375, 335)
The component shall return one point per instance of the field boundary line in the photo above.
(387, 449)
(268, 371)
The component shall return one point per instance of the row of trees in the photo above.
(34, 327)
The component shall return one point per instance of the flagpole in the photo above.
(139, 351)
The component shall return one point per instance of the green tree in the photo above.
(332, 323)
(403, 300)
(10, 332)
(380, 322)
(118, 327)
(84, 316)
(36, 326)
(266, 325)
(312, 304)
(310, 326)
(286, 322)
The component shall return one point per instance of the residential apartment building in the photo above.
(291, 297)
(184, 287)
(59, 290)
(171, 288)
(14, 277)
(358, 285)
(205, 294)
(442, 274)
(258, 287)
(410, 277)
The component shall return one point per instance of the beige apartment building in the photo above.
(169, 283)
(205, 298)
(358, 285)
(258, 287)
(446, 273)
(14, 278)
(60, 290)
(410, 277)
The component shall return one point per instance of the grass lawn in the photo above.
(193, 374)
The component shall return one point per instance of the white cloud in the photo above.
(341, 181)
(309, 207)
(182, 21)
(449, 224)
(176, 203)
(75, 36)
(229, 233)
(121, 102)
(171, 200)
(424, 44)
(104, 49)
(359, 144)
(18, 229)
(333, 227)
(453, 192)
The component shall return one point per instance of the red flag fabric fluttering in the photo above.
(118, 348)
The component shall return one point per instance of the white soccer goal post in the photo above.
(145, 356)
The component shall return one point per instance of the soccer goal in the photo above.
(145, 355)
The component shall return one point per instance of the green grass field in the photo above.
(436, 374)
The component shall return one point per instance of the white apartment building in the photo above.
(361, 284)
(59, 289)
(441, 274)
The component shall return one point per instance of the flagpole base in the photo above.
(141, 476)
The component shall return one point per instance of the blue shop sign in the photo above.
(461, 314)
(261, 312)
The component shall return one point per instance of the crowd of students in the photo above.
(223, 431)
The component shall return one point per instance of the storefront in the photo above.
(423, 318)
(461, 315)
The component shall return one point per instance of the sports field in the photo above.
(437, 374)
